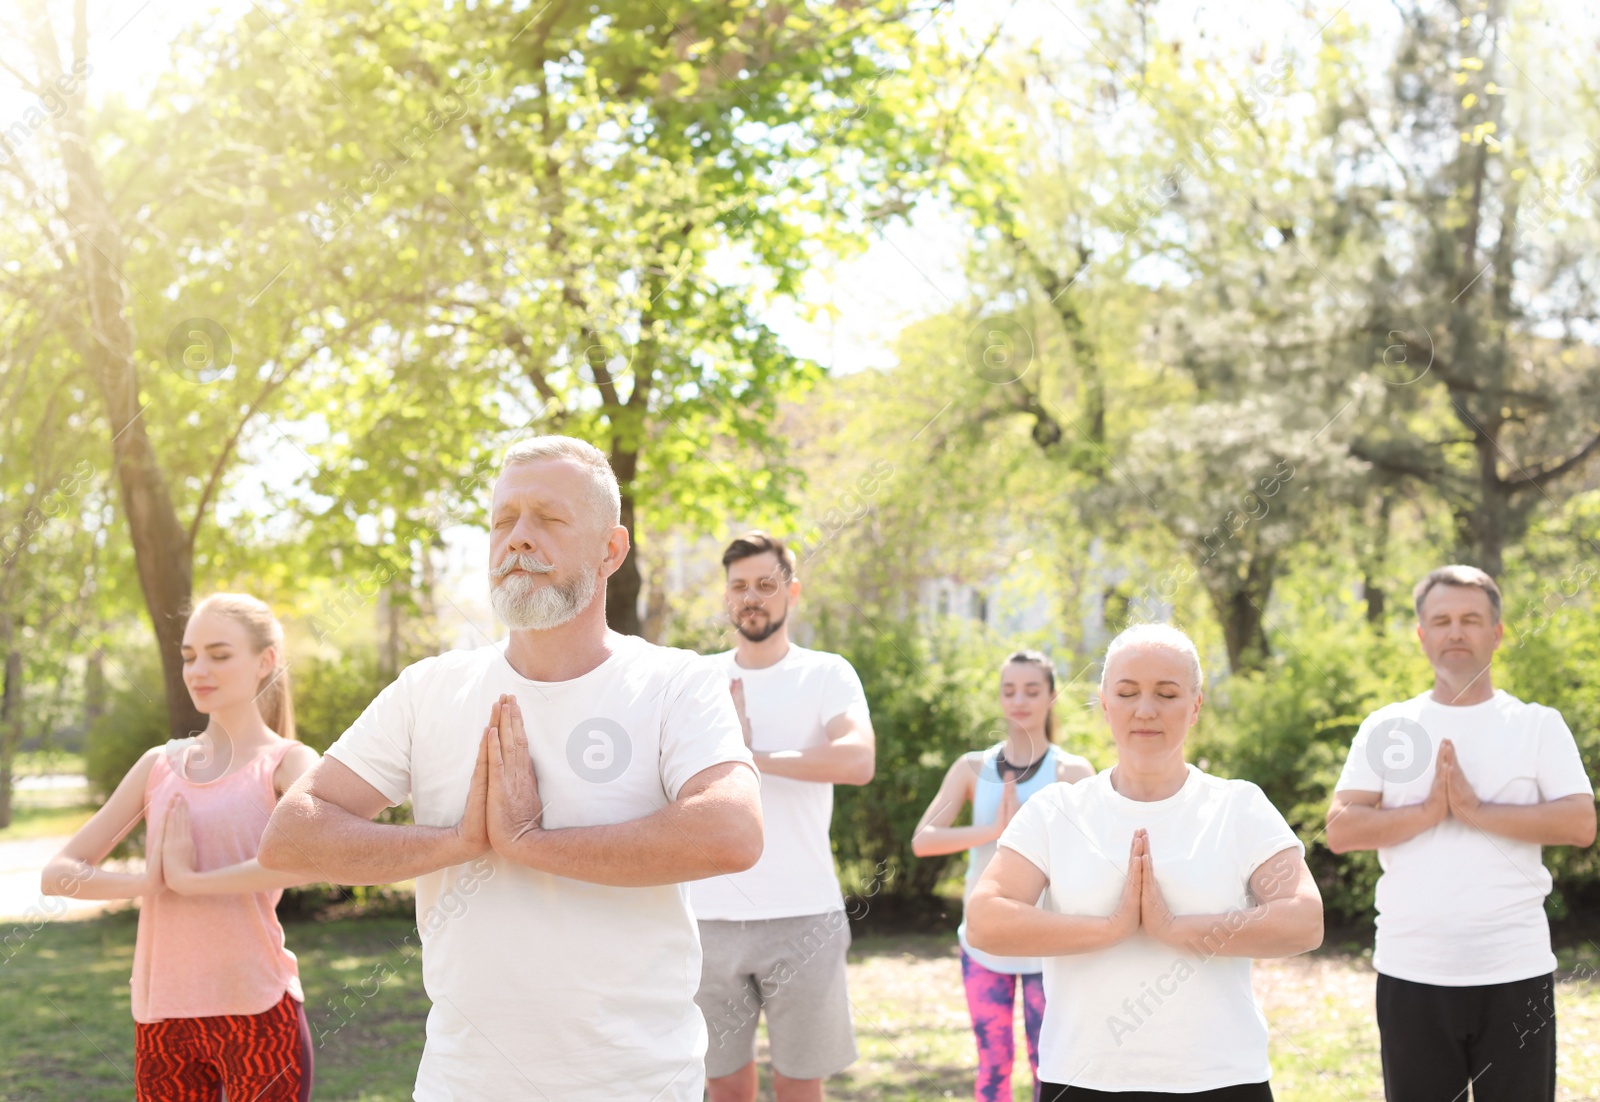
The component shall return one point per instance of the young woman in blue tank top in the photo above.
(998, 781)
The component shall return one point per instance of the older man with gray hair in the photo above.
(551, 845)
(1457, 789)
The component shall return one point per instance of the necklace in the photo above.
(1023, 772)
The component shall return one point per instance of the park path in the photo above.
(22, 861)
(20, 865)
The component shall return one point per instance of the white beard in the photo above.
(522, 606)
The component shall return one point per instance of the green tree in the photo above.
(51, 517)
(1126, 241)
(584, 175)
(1483, 303)
(394, 231)
(138, 246)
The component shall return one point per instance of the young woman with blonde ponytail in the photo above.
(216, 995)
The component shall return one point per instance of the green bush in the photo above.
(1556, 661)
(134, 720)
(331, 693)
(931, 695)
(1289, 726)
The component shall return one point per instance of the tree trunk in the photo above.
(622, 588)
(10, 718)
(1376, 560)
(1481, 540)
(1483, 528)
(1377, 600)
(388, 633)
(1240, 604)
(162, 553)
(94, 689)
(652, 626)
(427, 604)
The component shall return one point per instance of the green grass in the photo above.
(45, 813)
(30, 821)
(67, 1032)
(36, 762)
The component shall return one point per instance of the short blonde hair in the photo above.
(605, 496)
(1155, 635)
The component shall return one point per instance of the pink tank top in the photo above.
(198, 956)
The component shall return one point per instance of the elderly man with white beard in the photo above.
(552, 846)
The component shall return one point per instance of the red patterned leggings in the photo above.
(262, 1057)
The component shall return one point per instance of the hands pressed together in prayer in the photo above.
(503, 804)
(1142, 905)
(1451, 795)
(1010, 804)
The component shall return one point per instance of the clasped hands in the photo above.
(1450, 795)
(503, 804)
(1143, 907)
(170, 859)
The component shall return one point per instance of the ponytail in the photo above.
(276, 701)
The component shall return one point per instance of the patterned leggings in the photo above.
(991, 997)
(262, 1057)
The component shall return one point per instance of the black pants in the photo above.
(1244, 1092)
(1501, 1037)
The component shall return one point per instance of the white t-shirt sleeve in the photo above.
(1561, 771)
(701, 728)
(1028, 833)
(377, 746)
(842, 692)
(1358, 774)
(1263, 831)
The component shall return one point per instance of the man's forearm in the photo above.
(669, 846)
(1564, 822)
(832, 763)
(1359, 826)
(323, 842)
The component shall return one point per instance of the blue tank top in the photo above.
(987, 790)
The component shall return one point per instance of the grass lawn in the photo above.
(37, 762)
(30, 820)
(66, 1032)
(46, 812)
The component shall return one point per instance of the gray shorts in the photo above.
(793, 968)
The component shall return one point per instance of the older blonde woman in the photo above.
(1147, 889)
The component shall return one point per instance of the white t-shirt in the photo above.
(789, 704)
(545, 987)
(1140, 1016)
(1458, 907)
